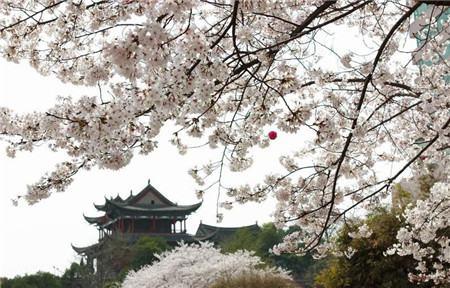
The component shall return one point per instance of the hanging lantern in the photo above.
(272, 135)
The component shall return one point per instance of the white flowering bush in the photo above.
(199, 266)
(426, 236)
(359, 254)
(226, 73)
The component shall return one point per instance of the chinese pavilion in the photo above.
(147, 213)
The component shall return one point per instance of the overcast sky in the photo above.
(38, 237)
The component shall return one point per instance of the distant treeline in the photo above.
(369, 266)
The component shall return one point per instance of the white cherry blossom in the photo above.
(197, 266)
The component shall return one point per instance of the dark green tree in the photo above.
(144, 250)
(303, 268)
(121, 258)
(242, 239)
(78, 276)
(369, 266)
(38, 280)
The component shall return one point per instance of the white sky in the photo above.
(38, 237)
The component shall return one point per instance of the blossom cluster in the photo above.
(362, 232)
(197, 265)
(426, 236)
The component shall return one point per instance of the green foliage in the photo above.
(78, 275)
(336, 274)
(303, 268)
(369, 266)
(144, 250)
(242, 239)
(120, 258)
(261, 242)
(115, 257)
(38, 280)
(254, 281)
(267, 238)
(112, 284)
(402, 198)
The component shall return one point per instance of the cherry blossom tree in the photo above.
(198, 266)
(226, 72)
(427, 236)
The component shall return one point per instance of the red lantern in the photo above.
(272, 135)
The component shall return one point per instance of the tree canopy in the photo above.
(227, 71)
(202, 265)
(362, 261)
(120, 257)
(37, 280)
(302, 268)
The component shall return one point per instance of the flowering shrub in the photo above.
(359, 258)
(198, 266)
(427, 236)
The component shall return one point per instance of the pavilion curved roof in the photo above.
(91, 249)
(131, 210)
(138, 206)
(218, 234)
(100, 220)
(134, 199)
